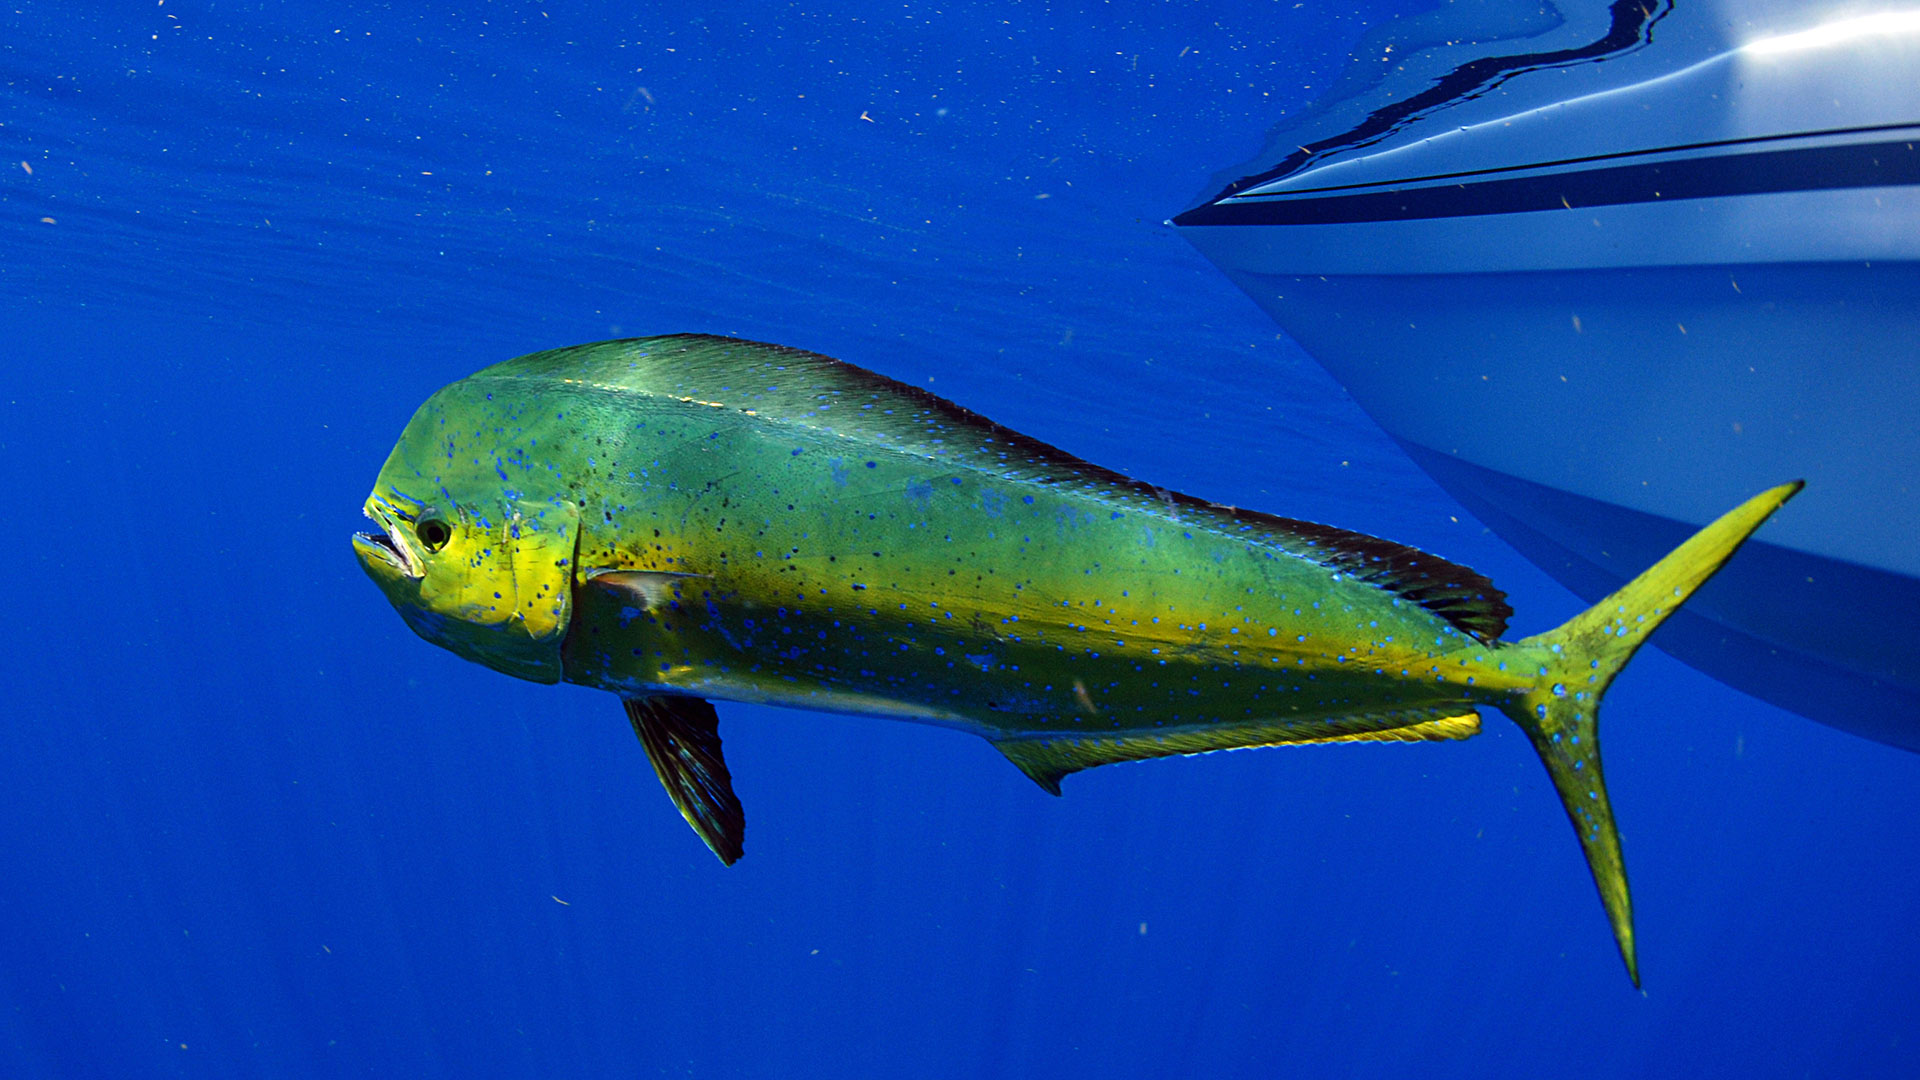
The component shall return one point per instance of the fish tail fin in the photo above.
(1561, 712)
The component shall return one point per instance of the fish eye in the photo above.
(433, 533)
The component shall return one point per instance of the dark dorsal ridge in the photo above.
(1465, 599)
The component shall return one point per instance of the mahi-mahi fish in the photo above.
(687, 518)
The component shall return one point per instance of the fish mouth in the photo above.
(386, 546)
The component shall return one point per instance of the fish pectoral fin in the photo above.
(644, 589)
(682, 738)
(1047, 759)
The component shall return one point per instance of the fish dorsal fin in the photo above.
(682, 737)
(792, 386)
(1463, 597)
(1047, 759)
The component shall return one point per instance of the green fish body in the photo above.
(690, 518)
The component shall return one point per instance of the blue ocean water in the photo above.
(254, 827)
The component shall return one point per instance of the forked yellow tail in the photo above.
(1561, 714)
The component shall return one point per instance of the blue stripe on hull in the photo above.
(1817, 168)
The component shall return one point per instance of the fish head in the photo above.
(475, 549)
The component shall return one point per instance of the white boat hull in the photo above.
(1598, 350)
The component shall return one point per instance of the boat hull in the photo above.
(1594, 417)
(1606, 268)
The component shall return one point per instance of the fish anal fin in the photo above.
(1464, 726)
(1042, 768)
(682, 739)
(1047, 759)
